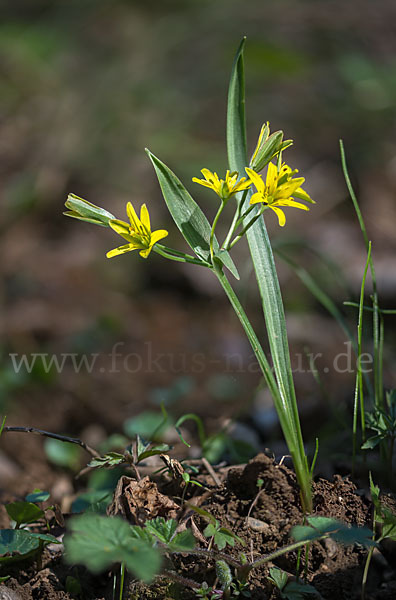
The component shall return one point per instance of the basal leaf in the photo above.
(268, 283)
(236, 126)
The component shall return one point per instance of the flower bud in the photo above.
(268, 146)
(86, 211)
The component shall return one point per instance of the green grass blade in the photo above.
(326, 302)
(359, 393)
(378, 383)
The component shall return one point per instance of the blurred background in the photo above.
(85, 86)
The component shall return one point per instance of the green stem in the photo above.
(174, 251)
(292, 437)
(248, 226)
(270, 557)
(122, 577)
(365, 572)
(235, 220)
(382, 311)
(186, 258)
(245, 214)
(251, 335)
(212, 231)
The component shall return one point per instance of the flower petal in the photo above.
(257, 197)
(119, 227)
(280, 214)
(209, 176)
(135, 222)
(287, 189)
(203, 182)
(144, 253)
(120, 250)
(157, 235)
(256, 179)
(123, 229)
(272, 176)
(302, 195)
(145, 218)
(290, 202)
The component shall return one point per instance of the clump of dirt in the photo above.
(261, 516)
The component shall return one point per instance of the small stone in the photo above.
(257, 525)
(7, 594)
(331, 547)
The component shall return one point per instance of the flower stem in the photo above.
(122, 578)
(212, 232)
(248, 226)
(251, 335)
(235, 220)
(178, 256)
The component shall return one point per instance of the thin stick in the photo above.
(55, 436)
(211, 471)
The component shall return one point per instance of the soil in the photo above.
(262, 518)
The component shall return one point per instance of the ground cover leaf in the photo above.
(98, 542)
(19, 543)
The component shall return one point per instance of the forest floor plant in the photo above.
(150, 547)
(249, 195)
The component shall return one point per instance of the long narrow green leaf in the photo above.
(264, 265)
(236, 125)
(359, 376)
(188, 217)
(325, 300)
(378, 383)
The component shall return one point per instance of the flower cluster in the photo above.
(277, 191)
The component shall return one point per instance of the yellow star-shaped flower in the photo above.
(138, 233)
(225, 188)
(278, 190)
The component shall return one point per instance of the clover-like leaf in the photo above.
(98, 542)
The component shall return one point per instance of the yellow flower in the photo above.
(278, 190)
(138, 233)
(225, 188)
